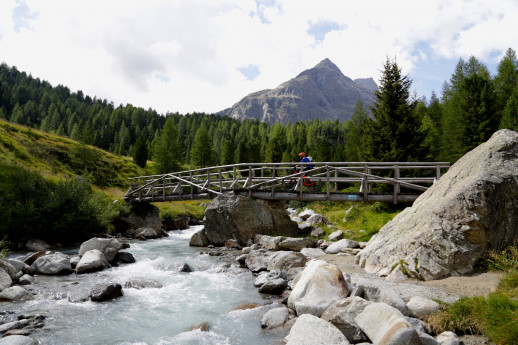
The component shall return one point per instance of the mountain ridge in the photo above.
(322, 92)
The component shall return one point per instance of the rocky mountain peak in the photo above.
(321, 92)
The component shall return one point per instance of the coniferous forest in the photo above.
(472, 105)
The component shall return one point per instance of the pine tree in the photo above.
(202, 154)
(510, 115)
(506, 80)
(167, 154)
(140, 151)
(353, 148)
(395, 134)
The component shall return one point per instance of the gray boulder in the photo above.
(92, 261)
(5, 279)
(297, 244)
(106, 292)
(108, 246)
(341, 246)
(381, 292)
(269, 242)
(142, 215)
(53, 264)
(317, 288)
(15, 294)
(20, 266)
(341, 314)
(37, 246)
(311, 330)
(241, 218)
(147, 233)
(312, 253)
(450, 226)
(385, 325)
(17, 340)
(8, 268)
(199, 239)
(283, 261)
(26, 280)
(448, 338)
(274, 286)
(257, 260)
(275, 317)
(421, 307)
(336, 236)
(317, 232)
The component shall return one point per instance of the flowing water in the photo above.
(153, 316)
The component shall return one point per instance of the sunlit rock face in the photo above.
(472, 208)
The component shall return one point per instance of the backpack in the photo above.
(310, 159)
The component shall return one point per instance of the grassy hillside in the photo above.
(57, 157)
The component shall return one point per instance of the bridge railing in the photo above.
(276, 180)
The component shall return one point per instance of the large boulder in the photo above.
(341, 314)
(17, 340)
(241, 218)
(53, 264)
(108, 246)
(319, 286)
(471, 209)
(140, 215)
(5, 279)
(15, 294)
(92, 261)
(283, 261)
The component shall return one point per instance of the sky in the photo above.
(205, 55)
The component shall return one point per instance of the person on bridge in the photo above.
(305, 159)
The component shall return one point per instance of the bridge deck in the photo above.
(327, 181)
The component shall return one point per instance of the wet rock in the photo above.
(204, 327)
(147, 233)
(274, 286)
(20, 266)
(108, 246)
(17, 340)
(341, 314)
(180, 223)
(125, 257)
(15, 294)
(311, 330)
(5, 279)
(31, 257)
(142, 283)
(284, 260)
(199, 239)
(74, 260)
(26, 280)
(92, 261)
(185, 268)
(53, 264)
(13, 325)
(275, 317)
(106, 292)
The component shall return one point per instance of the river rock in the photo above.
(275, 317)
(17, 340)
(141, 215)
(142, 283)
(180, 223)
(92, 261)
(283, 261)
(125, 257)
(448, 338)
(421, 307)
(53, 264)
(341, 314)
(37, 245)
(241, 218)
(105, 292)
(297, 244)
(5, 279)
(449, 227)
(304, 215)
(13, 325)
(108, 246)
(274, 286)
(147, 233)
(319, 286)
(312, 253)
(26, 280)
(199, 239)
(336, 236)
(257, 260)
(20, 266)
(341, 246)
(15, 294)
(31, 257)
(317, 232)
(385, 325)
(8, 268)
(311, 330)
(269, 242)
(380, 292)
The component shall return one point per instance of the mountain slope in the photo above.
(321, 92)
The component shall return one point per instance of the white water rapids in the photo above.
(153, 316)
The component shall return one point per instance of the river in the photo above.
(153, 316)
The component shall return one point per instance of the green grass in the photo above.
(362, 221)
(494, 316)
(174, 209)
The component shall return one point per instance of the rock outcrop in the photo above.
(472, 208)
(241, 218)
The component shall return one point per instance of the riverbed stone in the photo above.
(142, 283)
(448, 338)
(92, 261)
(470, 209)
(257, 260)
(341, 314)
(317, 232)
(17, 340)
(141, 215)
(297, 244)
(380, 292)
(15, 294)
(320, 284)
(199, 239)
(20, 266)
(52, 264)
(311, 330)
(275, 317)
(108, 246)
(284, 260)
(312, 253)
(106, 292)
(269, 242)
(385, 325)
(13, 325)
(125, 257)
(274, 286)
(421, 307)
(241, 218)
(5, 279)
(340, 246)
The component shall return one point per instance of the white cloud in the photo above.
(185, 55)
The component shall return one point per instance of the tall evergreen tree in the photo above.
(201, 152)
(510, 115)
(395, 133)
(506, 80)
(141, 151)
(167, 154)
(353, 148)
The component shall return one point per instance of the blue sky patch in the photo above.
(22, 15)
(250, 72)
(321, 28)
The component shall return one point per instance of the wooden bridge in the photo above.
(327, 181)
